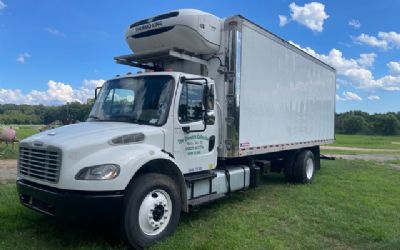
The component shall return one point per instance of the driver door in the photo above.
(195, 150)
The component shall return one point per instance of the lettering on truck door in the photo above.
(195, 151)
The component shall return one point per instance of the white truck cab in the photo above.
(222, 101)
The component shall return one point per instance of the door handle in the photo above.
(186, 129)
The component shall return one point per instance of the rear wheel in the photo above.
(288, 167)
(304, 167)
(151, 210)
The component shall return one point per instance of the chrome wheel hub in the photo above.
(309, 168)
(155, 212)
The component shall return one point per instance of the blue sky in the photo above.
(54, 51)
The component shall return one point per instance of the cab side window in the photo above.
(210, 101)
(191, 103)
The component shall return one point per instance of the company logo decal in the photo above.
(148, 26)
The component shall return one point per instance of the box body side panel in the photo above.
(285, 98)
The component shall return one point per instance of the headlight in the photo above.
(99, 172)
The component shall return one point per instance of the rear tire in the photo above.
(151, 210)
(304, 168)
(288, 167)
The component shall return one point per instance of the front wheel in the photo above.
(151, 210)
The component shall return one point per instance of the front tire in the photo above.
(151, 210)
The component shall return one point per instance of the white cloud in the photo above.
(2, 5)
(335, 59)
(21, 58)
(384, 40)
(57, 93)
(373, 97)
(391, 37)
(357, 70)
(10, 96)
(283, 20)
(54, 32)
(355, 23)
(338, 98)
(348, 96)
(394, 68)
(367, 60)
(351, 96)
(372, 41)
(311, 15)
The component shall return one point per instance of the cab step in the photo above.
(205, 199)
(199, 176)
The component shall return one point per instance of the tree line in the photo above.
(40, 114)
(358, 122)
(352, 122)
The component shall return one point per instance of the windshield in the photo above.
(143, 100)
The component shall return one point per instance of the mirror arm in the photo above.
(96, 92)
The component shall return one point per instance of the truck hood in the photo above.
(94, 133)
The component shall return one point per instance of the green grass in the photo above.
(23, 131)
(355, 152)
(367, 141)
(350, 205)
(393, 161)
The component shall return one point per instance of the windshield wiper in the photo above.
(122, 116)
(140, 122)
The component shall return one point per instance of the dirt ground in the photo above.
(8, 170)
(366, 157)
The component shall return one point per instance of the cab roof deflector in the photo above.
(152, 59)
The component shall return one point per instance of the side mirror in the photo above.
(206, 93)
(96, 92)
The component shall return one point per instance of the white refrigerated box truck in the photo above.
(221, 102)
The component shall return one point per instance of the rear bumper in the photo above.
(58, 202)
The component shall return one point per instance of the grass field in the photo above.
(394, 162)
(23, 131)
(387, 145)
(350, 205)
(368, 141)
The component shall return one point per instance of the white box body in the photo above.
(277, 96)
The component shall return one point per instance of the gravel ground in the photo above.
(360, 149)
(366, 157)
(8, 170)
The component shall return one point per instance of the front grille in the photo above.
(41, 164)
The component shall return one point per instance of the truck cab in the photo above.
(159, 124)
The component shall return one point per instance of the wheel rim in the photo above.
(155, 212)
(309, 168)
